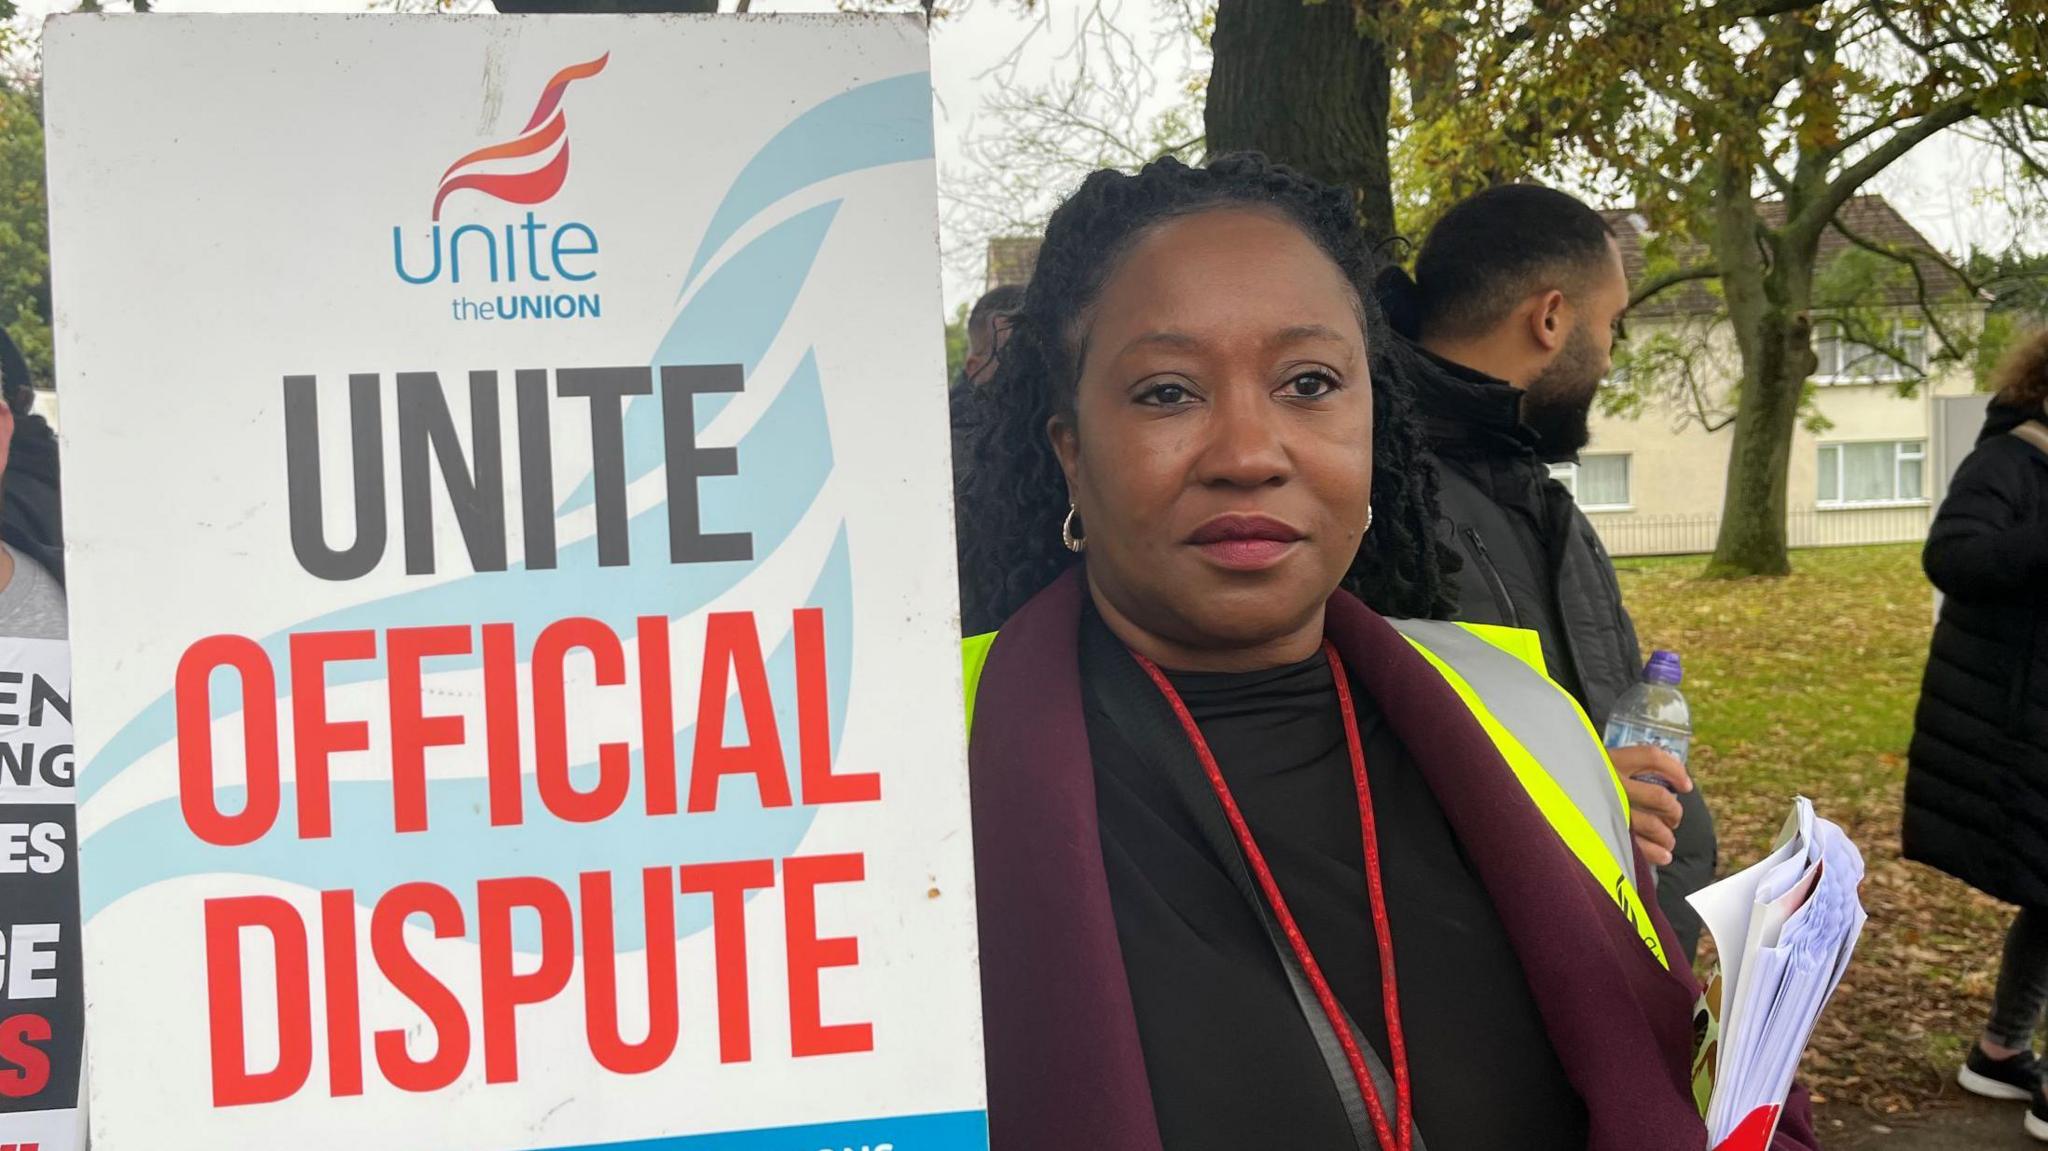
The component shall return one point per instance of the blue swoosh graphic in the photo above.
(732, 321)
(735, 317)
(153, 844)
(768, 500)
(886, 122)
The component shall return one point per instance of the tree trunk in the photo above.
(1768, 307)
(1752, 540)
(1298, 82)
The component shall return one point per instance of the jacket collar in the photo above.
(1064, 1065)
(1466, 412)
(2001, 417)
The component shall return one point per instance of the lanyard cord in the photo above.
(1382, 928)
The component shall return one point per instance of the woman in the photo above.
(1977, 776)
(1253, 870)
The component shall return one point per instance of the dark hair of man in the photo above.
(1016, 489)
(1490, 252)
(997, 301)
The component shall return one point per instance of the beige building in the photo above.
(1653, 481)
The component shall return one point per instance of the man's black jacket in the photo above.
(1532, 560)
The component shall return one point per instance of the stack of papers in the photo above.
(1785, 929)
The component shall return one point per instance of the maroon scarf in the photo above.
(1064, 1066)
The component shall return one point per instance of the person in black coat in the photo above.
(1977, 775)
(31, 515)
(1511, 316)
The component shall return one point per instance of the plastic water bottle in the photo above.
(1654, 712)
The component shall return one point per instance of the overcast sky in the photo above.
(1938, 187)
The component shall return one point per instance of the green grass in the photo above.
(1806, 686)
(1807, 682)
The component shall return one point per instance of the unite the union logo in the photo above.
(527, 169)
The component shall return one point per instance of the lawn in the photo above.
(1806, 685)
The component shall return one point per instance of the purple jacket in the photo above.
(1064, 1066)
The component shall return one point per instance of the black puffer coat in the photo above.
(31, 512)
(1977, 780)
(1532, 560)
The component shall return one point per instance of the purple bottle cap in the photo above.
(1664, 668)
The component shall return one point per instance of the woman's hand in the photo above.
(1653, 811)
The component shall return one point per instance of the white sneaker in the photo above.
(2015, 1078)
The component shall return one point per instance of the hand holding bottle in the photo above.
(1648, 736)
(1653, 779)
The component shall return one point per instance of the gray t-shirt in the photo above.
(32, 603)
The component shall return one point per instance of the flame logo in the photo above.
(543, 130)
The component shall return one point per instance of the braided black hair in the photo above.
(1013, 494)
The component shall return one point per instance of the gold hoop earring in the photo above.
(1074, 543)
(1368, 520)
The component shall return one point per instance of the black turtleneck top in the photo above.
(1231, 1061)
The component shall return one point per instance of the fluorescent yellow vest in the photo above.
(1539, 729)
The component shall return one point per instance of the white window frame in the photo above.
(1903, 452)
(1889, 370)
(1568, 475)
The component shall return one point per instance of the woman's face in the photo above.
(1220, 450)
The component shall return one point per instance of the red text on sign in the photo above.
(510, 983)
(732, 665)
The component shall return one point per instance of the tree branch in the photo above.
(1778, 179)
(1873, 345)
(1711, 417)
(1711, 420)
(1658, 284)
(1861, 134)
(1926, 306)
(2019, 150)
(1925, 47)
(1821, 211)
(1764, 9)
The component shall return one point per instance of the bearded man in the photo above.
(1511, 317)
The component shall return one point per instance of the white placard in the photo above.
(512, 584)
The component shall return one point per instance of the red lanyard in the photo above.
(1382, 930)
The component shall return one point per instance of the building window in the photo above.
(1599, 483)
(1861, 475)
(1844, 361)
